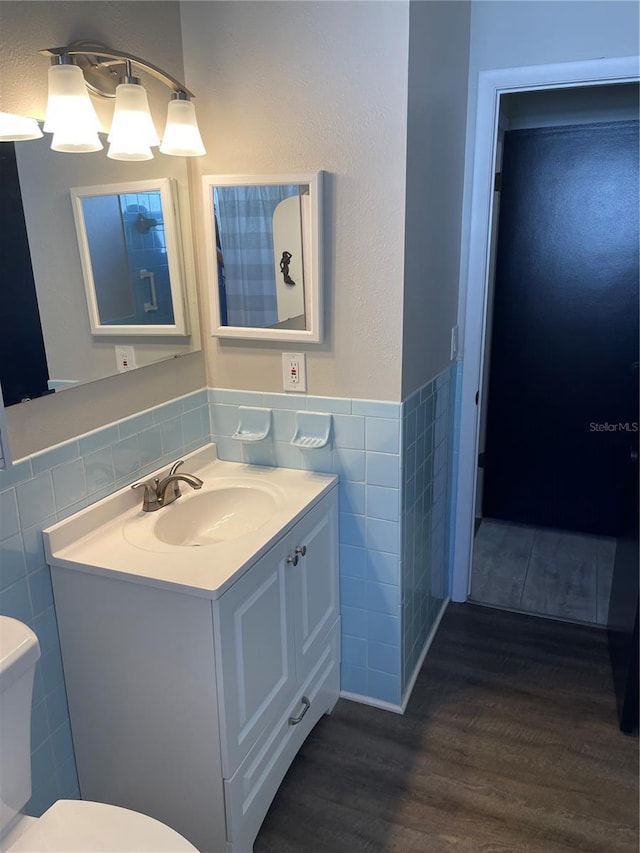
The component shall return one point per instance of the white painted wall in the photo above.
(508, 34)
(297, 87)
(148, 29)
(438, 70)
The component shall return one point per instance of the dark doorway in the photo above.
(565, 329)
(562, 336)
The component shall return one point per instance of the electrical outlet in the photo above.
(125, 359)
(294, 372)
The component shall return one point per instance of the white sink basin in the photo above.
(216, 516)
(221, 512)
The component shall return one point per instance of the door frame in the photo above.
(492, 84)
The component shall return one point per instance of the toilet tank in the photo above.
(19, 652)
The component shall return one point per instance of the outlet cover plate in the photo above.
(294, 372)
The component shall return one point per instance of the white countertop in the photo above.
(93, 540)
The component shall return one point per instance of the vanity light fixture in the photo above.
(84, 67)
(15, 128)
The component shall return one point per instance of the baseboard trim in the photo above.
(389, 706)
(369, 700)
(423, 654)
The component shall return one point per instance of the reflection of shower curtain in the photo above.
(246, 235)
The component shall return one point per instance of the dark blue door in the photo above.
(565, 332)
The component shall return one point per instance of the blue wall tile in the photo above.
(337, 405)
(349, 432)
(382, 567)
(382, 628)
(39, 725)
(35, 500)
(429, 422)
(171, 436)
(383, 535)
(353, 592)
(12, 561)
(69, 483)
(375, 409)
(134, 425)
(353, 561)
(383, 434)
(349, 464)
(383, 470)
(353, 679)
(352, 497)
(15, 601)
(384, 658)
(9, 524)
(50, 458)
(18, 473)
(99, 470)
(353, 530)
(126, 456)
(354, 651)
(167, 412)
(98, 438)
(354, 621)
(381, 685)
(383, 503)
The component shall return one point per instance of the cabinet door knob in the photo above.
(293, 560)
(302, 550)
(293, 721)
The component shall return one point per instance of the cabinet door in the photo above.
(254, 639)
(315, 581)
(250, 792)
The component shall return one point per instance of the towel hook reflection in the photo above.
(284, 268)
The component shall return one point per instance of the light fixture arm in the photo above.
(97, 61)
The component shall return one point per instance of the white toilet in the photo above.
(69, 826)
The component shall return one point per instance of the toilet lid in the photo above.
(79, 826)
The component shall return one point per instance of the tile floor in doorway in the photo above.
(542, 571)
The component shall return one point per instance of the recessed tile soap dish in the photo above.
(312, 430)
(253, 425)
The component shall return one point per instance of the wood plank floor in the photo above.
(509, 743)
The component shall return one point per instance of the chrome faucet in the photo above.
(157, 492)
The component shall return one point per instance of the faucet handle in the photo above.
(150, 499)
(175, 466)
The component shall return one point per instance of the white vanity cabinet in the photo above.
(189, 707)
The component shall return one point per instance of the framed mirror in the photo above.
(264, 256)
(131, 259)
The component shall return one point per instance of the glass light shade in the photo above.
(15, 128)
(129, 152)
(182, 136)
(132, 131)
(69, 108)
(73, 143)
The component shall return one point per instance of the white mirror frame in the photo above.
(166, 187)
(313, 288)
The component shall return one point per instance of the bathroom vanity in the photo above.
(198, 656)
